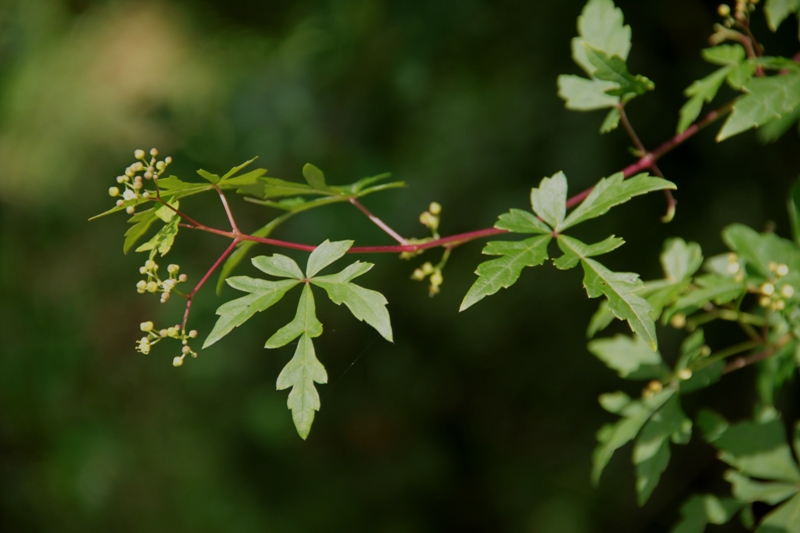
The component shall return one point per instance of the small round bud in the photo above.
(782, 270)
(138, 154)
(152, 286)
(764, 301)
(163, 332)
(678, 321)
(113, 191)
(684, 374)
(167, 160)
(767, 288)
(427, 268)
(647, 394)
(173, 268)
(150, 264)
(787, 291)
(160, 166)
(655, 386)
(148, 175)
(119, 203)
(153, 152)
(418, 274)
(173, 331)
(435, 208)
(183, 277)
(141, 285)
(724, 10)
(779, 305)
(193, 334)
(130, 210)
(146, 326)
(772, 266)
(436, 279)
(705, 350)
(733, 268)
(121, 179)
(186, 349)
(178, 361)
(129, 172)
(146, 194)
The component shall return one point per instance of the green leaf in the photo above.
(365, 304)
(235, 170)
(620, 290)
(745, 489)
(680, 259)
(611, 437)
(651, 452)
(263, 295)
(600, 25)
(141, 223)
(767, 98)
(279, 266)
(702, 90)
(304, 323)
(757, 449)
(610, 192)
(724, 54)
(582, 94)
(778, 10)
(774, 130)
(631, 357)
(274, 188)
(165, 213)
(315, 177)
(503, 272)
(250, 179)
(784, 519)
(208, 176)
(711, 288)
(325, 254)
(613, 69)
(574, 250)
(549, 201)
(600, 320)
(519, 221)
(705, 509)
(163, 240)
(759, 249)
(300, 374)
(611, 121)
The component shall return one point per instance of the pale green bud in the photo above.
(113, 191)
(138, 154)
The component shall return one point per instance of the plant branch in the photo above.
(227, 209)
(741, 362)
(190, 296)
(378, 222)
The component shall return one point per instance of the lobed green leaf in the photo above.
(613, 69)
(767, 99)
(631, 357)
(315, 177)
(519, 221)
(325, 254)
(600, 25)
(163, 240)
(574, 250)
(141, 223)
(278, 265)
(582, 94)
(549, 200)
(300, 374)
(304, 323)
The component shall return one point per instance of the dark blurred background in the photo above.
(481, 421)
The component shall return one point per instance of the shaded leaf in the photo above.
(236, 169)
(600, 25)
(778, 10)
(365, 304)
(680, 260)
(631, 357)
(724, 54)
(141, 223)
(503, 272)
(600, 319)
(163, 240)
(784, 519)
(705, 509)
(208, 176)
(315, 177)
(613, 69)
(702, 90)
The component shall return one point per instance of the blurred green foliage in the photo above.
(465, 423)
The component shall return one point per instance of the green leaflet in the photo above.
(141, 223)
(702, 90)
(620, 290)
(759, 249)
(701, 510)
(651, 452)
(163, 240)
(680, 260)
(724, 54)
(610, 192)
(315, 177)
(600, 25)
(784, 518)
(325, 254)
(634, 413)
(767, 99)
(794, 211)
(304, 323)
(778, 10)
(582, 94)
(505, 271)
(519, 221)
(365, 304)
(574, 250)
(279, 266)
(263, 295)
(549, 200)
(631, 357)
(300, 374)
(613, 69)
(710, 287)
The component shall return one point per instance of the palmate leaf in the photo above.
(365, 304)
(759, 249)
(613, 69)
(549, 200)
(610, 192)
(701, 510)
(583, 94)
(505, 271)
(163, 240)
(305, 322)
(263, 295)
(700, 91)
(325, 254)
(600, 25)
(620, 290)
(767, 99)
(141, 223)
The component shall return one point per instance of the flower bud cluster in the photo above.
(154, 336)
(154, 284)
(434, 275)
(740, 13)
(132, 180)
(430, 218)
(735, 268)
(775, 292)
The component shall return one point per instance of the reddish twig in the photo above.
(190, 296)
(378, 222)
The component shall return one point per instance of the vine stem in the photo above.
(190, 297)
(378, 222)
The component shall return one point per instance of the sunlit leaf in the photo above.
(519, 221)
(278, 265)
(574, 250)
(163, 240)
(141, 223)
(767, 98)
(583, 94)
(600, 25)
(549, 200)
(325, 254)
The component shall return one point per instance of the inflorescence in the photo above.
(132, 181)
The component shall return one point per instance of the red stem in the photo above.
(378, 222)
(190, 296)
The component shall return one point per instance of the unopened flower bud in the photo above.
(767, 288)
(141, 286)
(418, 274)
(183, 277)
(427, 268)
(787, 291)
(655, 386)
(113, 191)
(436, 279)
(130, 210)
(146, 326)
(152, 286)
(153, 152)
(167, 160)
(724, 10)
(678, 321)
(173, 268)
(160, 166)
(684, 374)
(186, 349)
(120, 203)
(782, 270)
(435, 208)
(138, 154)
(178, 361)
(193, 334)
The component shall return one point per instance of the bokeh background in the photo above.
(481, 421)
